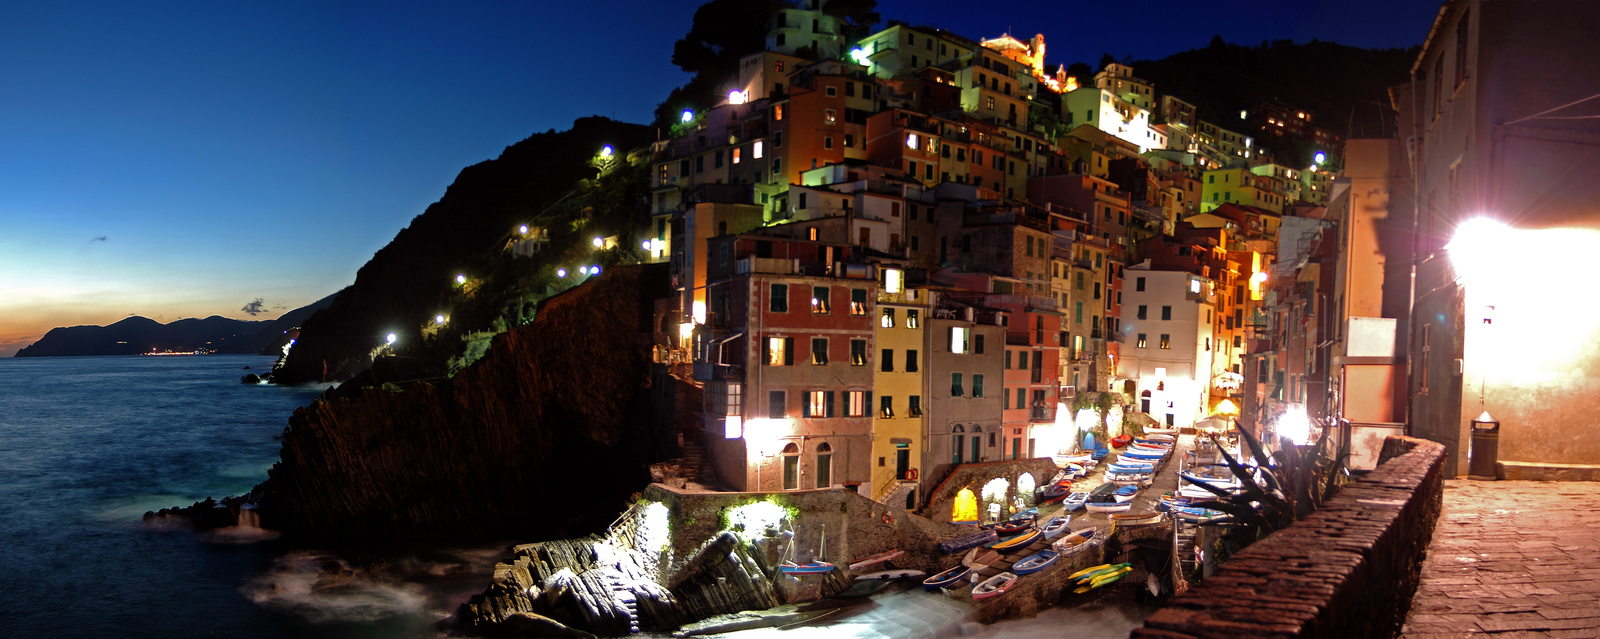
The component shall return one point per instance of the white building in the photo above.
(1167, 322)
(1105, 111)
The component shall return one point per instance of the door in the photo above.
(977, 442)
(1016, 447)
(902, 461)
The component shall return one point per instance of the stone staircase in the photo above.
(692, 470)
(895, 496)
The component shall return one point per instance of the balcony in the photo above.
(1043, 414)
(711, 371)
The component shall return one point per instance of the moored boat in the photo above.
(885, 575)
(1054, 492)
(969, 541)
(980, 558)
(1014, 543)
(1135, 519)
(1074, 501)
(812, 568)
(952, 578)
(1104, 507)
(1074, 543)
(994, 586)
(1010, 526)
(1055, 527)
(1035, 562)
(1125, 493)
(1148, 431)
(877, 559)
(1120, 440)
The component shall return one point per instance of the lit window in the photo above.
(858, 404)
(777, 112)
(780, 351)
(830, 116)
(1194, 286)
(911, 140)
(914, 405)
(858, 301)
(1166, 341)
(911, 318)
(819, 351)
(858, 352)
(1141, 340)
(736, 156)
(819, 294)
(893, 278)
(887, 319)
(819, 404)
(886, 406)
(755, 151)
(958, 339)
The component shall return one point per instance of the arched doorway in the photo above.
(994, 499)
(1025, 487)
(958, 439)
(791, 466)
(965, 509)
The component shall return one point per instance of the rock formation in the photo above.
(545, 437)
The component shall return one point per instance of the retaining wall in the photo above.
(1348, 570)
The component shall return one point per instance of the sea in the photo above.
(89, 444)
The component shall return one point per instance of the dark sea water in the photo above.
(87, 445)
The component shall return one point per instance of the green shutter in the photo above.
(828, 395)
(788, 351)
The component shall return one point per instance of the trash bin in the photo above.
(1485, 448)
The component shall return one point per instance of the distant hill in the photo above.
(136, 335)
(1346, 88)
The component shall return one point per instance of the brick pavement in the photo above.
(1514, 558)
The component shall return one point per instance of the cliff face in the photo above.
(545, 437)
(406, 282)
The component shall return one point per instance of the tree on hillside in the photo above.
(856, 17)
(723, 31)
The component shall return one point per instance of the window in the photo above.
(911, 360)
(725, 398)
(1138, 284)
(819, 350)
(858, 352)
(958, 339)
(1166, 341)
(780, 351)
(1461, 49)
(858, 403)
(1022, 360)
(977, 344)
(885, 407)
(1005, 397)
(1020, 397)
(755, 151)
(858, 301)
(911, 318)
(886, 361)
(886, 320)
(819, 300)
(914, 405)
(1208, 343)
(1142, 312)
(1008, 359)
(977, 385)
(824, 465)
(717, 160)
(791, 459)
(955, 385)
(818, 404)
(777, 404)
(1166, 312)
(1141, 340)
(827, 142)
(832, 92)
(780, 298)
(736, 156)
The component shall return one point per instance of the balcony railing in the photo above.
(1043, 414)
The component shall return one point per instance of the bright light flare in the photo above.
(583, 270)
(523, 229)
(1295, 425)
(438, 319)
(606, 151)
(765, 434)
(738, 97)
(389, 339)
(687, 115)
(599, 242)
(561, 272)
(762, 518)
(461, 279)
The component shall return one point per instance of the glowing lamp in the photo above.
(599, 243)
(594, 270)
(523, 229)
(606, 151)
(1319, 158)
(646, 244)
(461, 279)
(698, 311)
(583, 270)
(685, 330)
(688, 115)
(561, 272)
(732, 427)
(1259, 277)
(1227, 407)
(738, 97)
(859, 55)
(438, 319)
(1295, 425)
(390, 339)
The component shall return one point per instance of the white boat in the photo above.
(1149, 432)
(1135, 519)
(1074, 543)
(1055, 527)
(1113, 507)
(994, 585)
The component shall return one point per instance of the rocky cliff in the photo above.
(543, 438)
(409, 280)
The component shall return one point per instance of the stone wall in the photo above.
(942, 498)
(1348, 570)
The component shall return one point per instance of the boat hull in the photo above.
(994, 586)
(954, 577)
(1035, 562)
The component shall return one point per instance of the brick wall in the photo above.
(975, 475)
(1348, 570)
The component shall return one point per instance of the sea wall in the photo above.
(976, 475)
(1348, 570)
(545, 437)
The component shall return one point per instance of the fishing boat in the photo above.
(1129, 467)
(1121, 440)
(968, 541)
(1137, 455)
(1010, 526)
(1074, 543)
(1103, 500)
(1107, 507)
(1074, 501)
(1027, 513)
(888, 575)
(1062, 460)
(1035, 562)
(1055, 527)
(980, 558)
(816, 567)
(1158, 437)
(1125, 493)
(1148, 431)
(952, 578)
(1079, 471)
(1135, 519)
(1153, 443)
(877, 559)
(1015, 543)
(1195, 515)
(1054, 492)
(1130, 479)
(994, 586)
(1100, 453)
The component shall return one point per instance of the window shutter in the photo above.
(829, 404)
(866, 406)
(805, 406)
(788, 351)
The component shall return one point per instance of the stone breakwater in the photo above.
(1347, 570)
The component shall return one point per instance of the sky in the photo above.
(182, 159)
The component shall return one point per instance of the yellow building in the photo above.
(1240, 186)
(898, 383)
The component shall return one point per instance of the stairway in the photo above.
(629, 603)
(895, 496)
(695, 467)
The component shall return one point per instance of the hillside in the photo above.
(411, 279)
(1346, 88)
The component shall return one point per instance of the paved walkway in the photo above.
(1516, 558)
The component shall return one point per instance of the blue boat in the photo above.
(1139, 454)
(1035, 562)
(1054, 492)
(1100, 453)
(1125, 493)
(812, 568)
(1054, 527)
(969, 541)
(1131, 468)
(954, 577)
(1074, 501)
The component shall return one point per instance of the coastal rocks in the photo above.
(546, 434)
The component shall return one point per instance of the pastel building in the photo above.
(899, 381)
(1168, 316)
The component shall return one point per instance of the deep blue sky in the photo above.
(181, 159)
